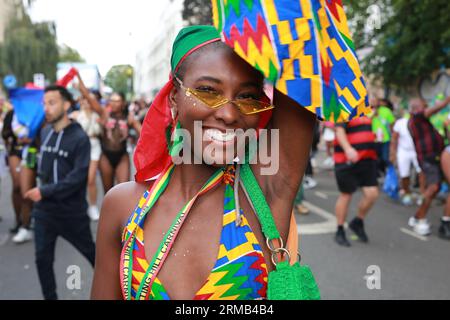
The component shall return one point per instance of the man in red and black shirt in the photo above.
(429, 145)
(355, 161)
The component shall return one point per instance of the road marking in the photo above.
(413, 234)
(3, 239)
(321, 212)
(321, 195)
(328, 226)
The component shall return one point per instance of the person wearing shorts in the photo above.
(22, 153)
(355, 161)
(429, 145)
(89, 121)
(403, 154)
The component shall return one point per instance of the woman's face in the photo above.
(221, 71)
(84, 103)
(116, 103)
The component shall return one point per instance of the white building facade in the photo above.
(152, 65)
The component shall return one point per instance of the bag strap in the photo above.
(258, 202)
(259, 205)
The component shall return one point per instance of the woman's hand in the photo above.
(95, 105)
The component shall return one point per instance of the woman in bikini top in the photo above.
(114, 162)
(216, 248)
(90, 122)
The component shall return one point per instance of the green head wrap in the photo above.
(190, 39)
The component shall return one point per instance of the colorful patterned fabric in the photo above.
(303, 47)
(240, 272)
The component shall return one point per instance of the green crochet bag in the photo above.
(286, 282)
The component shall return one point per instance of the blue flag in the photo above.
(28, 108)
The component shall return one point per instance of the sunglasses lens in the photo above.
(215, 100)
(250, 106)
(212, 100)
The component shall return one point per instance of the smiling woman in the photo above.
(202, 97)
(196, 225)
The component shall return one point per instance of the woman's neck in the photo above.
(191, 178)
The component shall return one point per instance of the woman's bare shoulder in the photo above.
(122, 199)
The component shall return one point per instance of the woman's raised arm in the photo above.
(95, 105)
(295, 127)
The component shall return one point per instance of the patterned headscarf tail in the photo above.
(302, 47)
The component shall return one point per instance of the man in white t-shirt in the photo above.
(403, 153)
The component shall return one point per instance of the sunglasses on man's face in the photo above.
(214, 100)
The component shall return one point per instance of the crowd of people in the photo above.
(409, 141)
(81, 138)
(112, 126)
(230, 227)
(56, 171)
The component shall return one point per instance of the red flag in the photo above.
(64, 81)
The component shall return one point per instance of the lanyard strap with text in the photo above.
(169, 239)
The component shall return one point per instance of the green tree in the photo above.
(68, 54)
(29, 48)
(362, 19)
(197, 12)
(120, 79)
(413, 39)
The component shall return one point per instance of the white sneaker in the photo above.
(328, 163)
(422, 227)
(309, 183)
(412, 222)
(93, 213)
(22, 236)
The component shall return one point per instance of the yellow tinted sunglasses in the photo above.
(214, 100)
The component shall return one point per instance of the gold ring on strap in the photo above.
(271, 246)
(279, 250)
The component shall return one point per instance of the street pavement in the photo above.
(410, 266)
(18, 274)
(395, 264)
